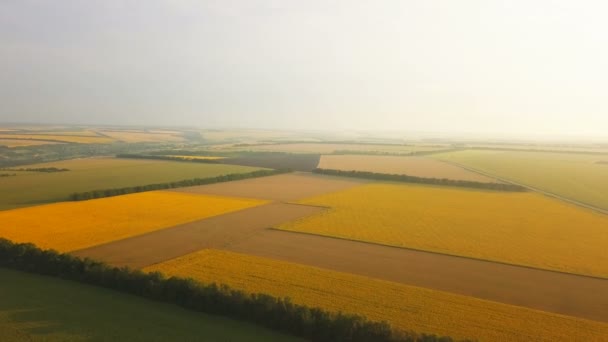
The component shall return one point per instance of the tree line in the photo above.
(172, 158)
(87, 195)
(275, 313)
(422, 180)
(38, 169)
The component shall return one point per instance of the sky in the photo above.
(522, 67)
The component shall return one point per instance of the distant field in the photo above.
(519, 228)
(324, 148)
(61, 138)
(131, 137)
(71, 226)
(575, 176)
(411, 166)
(197, 157)
(37, 308)
(405, 307)
(18, 142)
(294, 161)
(99, 173)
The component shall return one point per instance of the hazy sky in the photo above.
(469, 66)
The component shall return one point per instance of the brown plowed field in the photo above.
(214, 232)
(285, 187)
(411, 166)
(561, 293)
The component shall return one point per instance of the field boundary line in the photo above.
(544, 192)
(440, 253)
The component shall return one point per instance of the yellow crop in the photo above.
(519, 228)
(63, 138)
(142, 136)
(71, 226)
(405, 307)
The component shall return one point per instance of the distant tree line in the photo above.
(172, 158)
(7, 174)
(422, 180)
(39, 169)
(275, 313)
(82, 196)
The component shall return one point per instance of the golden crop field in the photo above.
(62, 138)
(518, 228)
(131, 137)
(19, 142)
(327, 148)
(70, 226)
(405, 307)
(402, 165)
(197, 157)
(575, 176)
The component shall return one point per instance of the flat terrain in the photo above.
(85, 139)
(20, 142)
(406, 307)
(328, 148)
(99, 173)
(402, 165)
(71, 226)
(561, 293)
(285, 187)
(496, 226)
(575, 176)
(37, 308)
(213, 232)
(133, 137)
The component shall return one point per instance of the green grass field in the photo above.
(32, 188)
(38, 308)
(575, 176)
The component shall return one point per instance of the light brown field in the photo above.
(286, 187)
(130, 137)
(324, 148)
(18, 142)
(60, 138)
(411, 166)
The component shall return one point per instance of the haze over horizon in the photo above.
(497, 67)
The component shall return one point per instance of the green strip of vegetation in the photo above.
(275, 313)
(422, 180)
(83, 196)
(172, 158)
(38, 169)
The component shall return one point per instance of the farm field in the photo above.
(196, 157)
(71, 226)
(411, 166)
(19, 142)
(99, 173)
(36, 308)
(405, 307)
(575, 176)
(60, 138)
(132, 137)
(328, 148)
(496, 226)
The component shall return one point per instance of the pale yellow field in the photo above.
(405, 307)
(130, 137)
(63, 138)
(197, 157)
(401, 165)
(17, 142)
(71, 226)
(518, 228)
(325, 148)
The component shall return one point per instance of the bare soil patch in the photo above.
(411, 166)
(285, 187)
(561, 293)
(214, 232)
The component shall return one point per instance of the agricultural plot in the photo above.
(496, 226)
(574, 176)
(190, 158)
(20, 142)
(38, 308)
(328, 148)
(100, 173)
(60, 138)
(405, 307)
(133, 137)
(75, 225)
(293, 161)
(411, 166)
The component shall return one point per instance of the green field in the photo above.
(578, 177)
(32, 188)
(38, 308)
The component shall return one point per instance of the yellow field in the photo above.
(71, 226)
(405, 307)
(197, 157)
(130, 137)
(63, 138)
(519, 228)
(17, 142)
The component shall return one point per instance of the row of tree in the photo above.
(82, 196)
(38, 169)
(274, 313)
(172, 158)
(422, 180)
